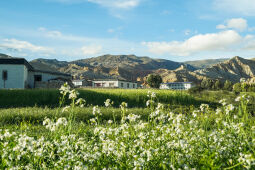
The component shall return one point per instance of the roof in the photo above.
(22, 61)
(177, 83)
(78, 80)
(17, 61)
(114, 80)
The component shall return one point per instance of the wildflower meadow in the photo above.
(152, 137)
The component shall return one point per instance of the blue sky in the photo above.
(177, 30)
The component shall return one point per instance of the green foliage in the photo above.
(217, 85)
(154, 80)
(228, 85)
(207, 84)
(244, 87)
(237, 87)
(195, 89)
(50, 97)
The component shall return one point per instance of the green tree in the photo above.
(228, 85)
(207, 84)
(154, 80)
(237, 87)
(217, 85)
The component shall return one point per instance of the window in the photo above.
(133, 86)
(121, 84)
(38, 77)
(5, 75)
(128, 85)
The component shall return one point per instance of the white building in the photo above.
(176, 85)
(18, 73)
(114, 83)
(81, 83)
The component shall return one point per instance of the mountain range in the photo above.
(128, 67)
(133, 68)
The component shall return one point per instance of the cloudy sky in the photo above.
(178, 30)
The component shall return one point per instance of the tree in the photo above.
(195, 89)
(154, 80)
(228, 85)
(207, 84)
(217, 85)
(237, 87)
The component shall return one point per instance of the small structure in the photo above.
(114, 83)
(18, 73)
(81, 83)
(176, 85)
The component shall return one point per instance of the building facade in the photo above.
(82, 83)
(18, 73)
(176, 85)
(112, 83)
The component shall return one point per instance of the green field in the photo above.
(50, 98)
(167, 131)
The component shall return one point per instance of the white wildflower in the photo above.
(65, 109)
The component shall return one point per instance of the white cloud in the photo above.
(241, 7)
(239, 24)
(117, 4)
(121, 4)
(221, 26)
(57, 35)
(91, 50)
(17, 45)
(204, 42)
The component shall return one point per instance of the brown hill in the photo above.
(181, 74)
(233, 70)
(200, 64)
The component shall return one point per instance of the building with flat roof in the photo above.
(82, 83)
(18, 73)
(114, 83)
(176, 85)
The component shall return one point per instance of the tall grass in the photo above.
(50, 97)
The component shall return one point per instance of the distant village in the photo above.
(17, 73)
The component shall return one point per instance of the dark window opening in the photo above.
(128, 85)
(38, 77)
(133, 86)
(5, 75)
(122, 84)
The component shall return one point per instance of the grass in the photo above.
(36, 115)
(50, 97)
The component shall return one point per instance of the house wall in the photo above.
(112, 84)
(176, 86)
(17, 76)
(115, 84)
(77, 83)
(125, 85)
(45, 77)
(80, 83)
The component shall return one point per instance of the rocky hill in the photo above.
(181, 74)
(129, 62)
(232, 70)
(200, 64)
